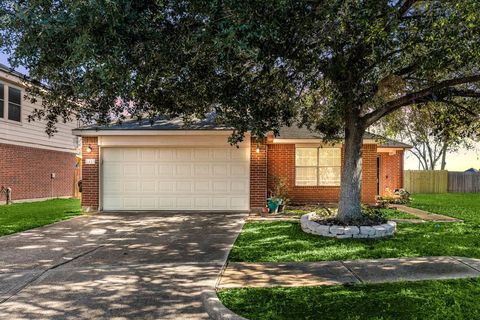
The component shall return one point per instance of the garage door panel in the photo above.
(166, 187)
(131, 155)
(149, 187)
(201, 154)
(148, 154)
(219, 203)
(165, 154)
(184, 186)
(167, 170)
(131, 203)
(238, 203)
(112, 170)
(239, 170)
(202, 203)
(113, 154)
(183, 154)
(220, 170)
(201, 170)
(185, 203)
(203, 186)
(240, 154)
(130, 170)
(221, 154)
(221, 186)
(239, 187)
(175, 178)
(183, 170)
(148, 203)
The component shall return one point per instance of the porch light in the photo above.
(89, 148)
(258, 148)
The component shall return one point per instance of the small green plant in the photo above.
(279, 193)
(399, 196)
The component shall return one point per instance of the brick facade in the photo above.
(281, 163)
(90, 174)
(28, 172)
(391, 171)
(258, 175)
(266, 162)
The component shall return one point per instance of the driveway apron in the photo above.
(147, 265)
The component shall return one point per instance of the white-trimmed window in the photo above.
(2, 101)
(14, 104)
(318, 166)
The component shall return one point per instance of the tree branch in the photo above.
(422, 95)
(405, 7)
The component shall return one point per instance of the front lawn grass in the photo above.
(396, 214)
(452, 299)
(23, 216)
(465, 206)
(282, 241)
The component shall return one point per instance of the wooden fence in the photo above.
(424, 181)
(463, 182)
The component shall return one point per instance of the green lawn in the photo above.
(453, 299)
(23, 216)
(285, 241)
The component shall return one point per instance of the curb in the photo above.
(215, 308)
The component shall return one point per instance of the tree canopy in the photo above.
(336, 66)
(433, 130)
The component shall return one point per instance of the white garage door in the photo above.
(184, 178)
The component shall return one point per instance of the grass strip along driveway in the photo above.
(23, 216)
(285, 242)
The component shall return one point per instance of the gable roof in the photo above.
(13, 72)
(296, 132)
(160, 123)
(209, 123)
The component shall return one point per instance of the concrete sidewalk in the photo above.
(425, 215)
(296, 274)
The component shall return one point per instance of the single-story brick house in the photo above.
(169, 166)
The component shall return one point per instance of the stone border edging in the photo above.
(341, 232)
(215, 308)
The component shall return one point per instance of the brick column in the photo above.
(258, 175)
(90, 174)
(369, 173)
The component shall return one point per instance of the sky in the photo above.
(459, 161)
(4, 60)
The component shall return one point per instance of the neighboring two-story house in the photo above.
(32, 164)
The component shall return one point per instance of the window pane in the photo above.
(13, 112)
(2, 102)
(306, 156)
(329, 176)
(14, 95)
(329, 157)
(306, 176)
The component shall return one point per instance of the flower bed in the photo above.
(343, 232)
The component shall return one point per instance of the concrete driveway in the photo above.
(116, 266)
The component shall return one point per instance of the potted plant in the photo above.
(279, 195)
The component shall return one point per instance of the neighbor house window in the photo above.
(14, 104)
(2, 100)
(317, 166)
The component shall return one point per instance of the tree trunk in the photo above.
(444, 157)
(349, 207)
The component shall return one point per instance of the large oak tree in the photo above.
(335, 66)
